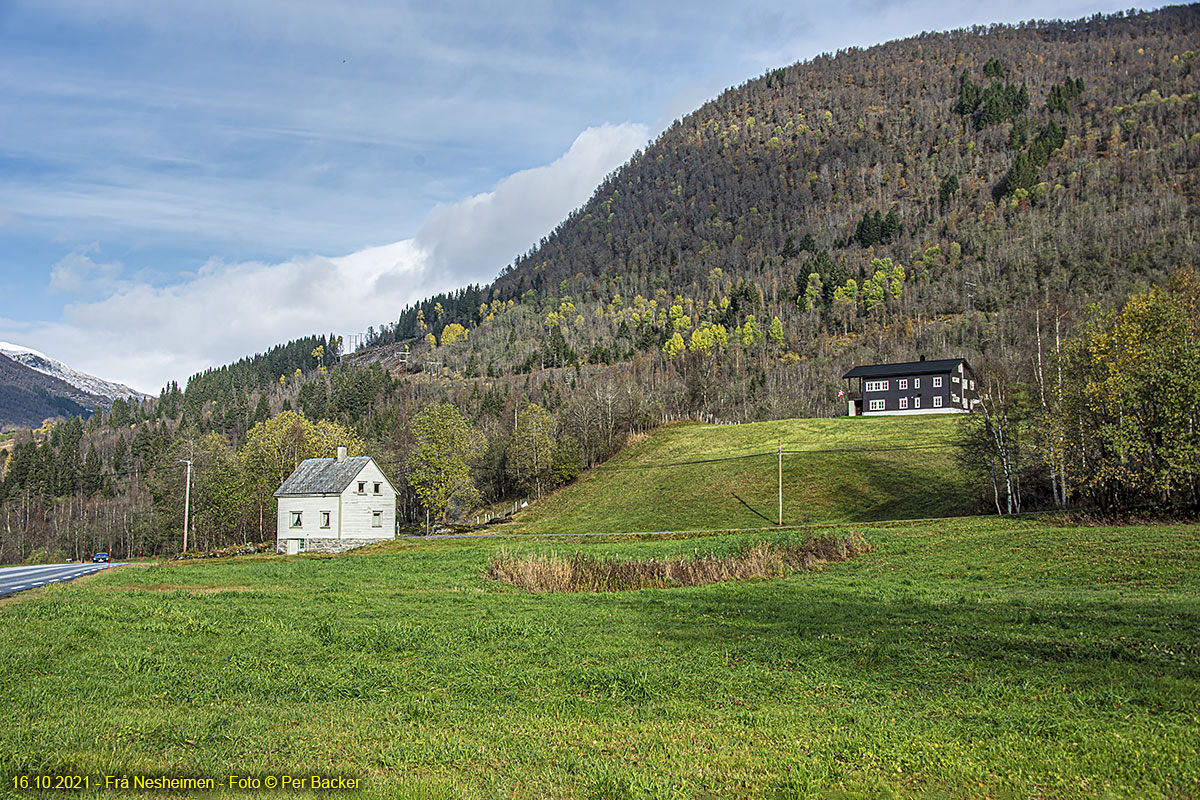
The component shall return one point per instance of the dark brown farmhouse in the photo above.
(946, 386)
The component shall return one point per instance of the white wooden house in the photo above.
(329, 505)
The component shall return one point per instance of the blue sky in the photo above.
(182, 184)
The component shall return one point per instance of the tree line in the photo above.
(1107, 416)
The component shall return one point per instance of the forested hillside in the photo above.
(867, 200)
(951, 194)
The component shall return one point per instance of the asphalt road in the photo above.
(18, 579)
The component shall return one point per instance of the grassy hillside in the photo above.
(711, 477)
(977, 658)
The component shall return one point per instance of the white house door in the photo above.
(293, 547)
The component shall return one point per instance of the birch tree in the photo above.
(531, 450)
(439, 465)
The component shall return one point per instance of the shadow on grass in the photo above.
(752, 510)
(902, 643)
(867, 487)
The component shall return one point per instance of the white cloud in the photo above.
(145, 335)
(474, 238)
(77, 272)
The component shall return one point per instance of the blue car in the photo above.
(100, 558)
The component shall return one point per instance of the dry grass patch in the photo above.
(585, 573)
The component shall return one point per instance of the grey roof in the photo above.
(908, 368)
(322, 476)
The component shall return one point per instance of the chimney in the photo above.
(341, 453)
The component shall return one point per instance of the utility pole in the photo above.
(781, 482)
(187, 498)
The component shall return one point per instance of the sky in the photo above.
(183, 184)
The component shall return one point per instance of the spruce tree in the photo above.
(92, 477)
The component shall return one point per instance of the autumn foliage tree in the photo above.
(1112, 413)
(274, 448)
(439, 465)
(1135, 401)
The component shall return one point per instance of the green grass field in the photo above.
(698, 477)
(974, 658)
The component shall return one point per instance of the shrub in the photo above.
(585, 573)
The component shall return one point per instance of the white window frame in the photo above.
(376, 519)
(937, 382)
(297, 519)
(875, 386)
(917, 401)
(362, 487)
(877, 405)
(902, 384)
(903, 403)
(972, 385)
(378, 487)
(916, 383)
(325, 516)
(937, 401)
(954, 378)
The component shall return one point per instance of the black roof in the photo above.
(908, 368)
(322, 476)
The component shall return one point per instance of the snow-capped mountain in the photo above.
(80, 380)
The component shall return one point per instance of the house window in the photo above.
(903, 402)
(296, 520)
(876, 405)
(378, 487)
(324, 519)
(875, 386)
(937, 400)
(937, 382)
(376, 519)
(362, 487)
(954, 378)
(972, 385)
(916, 383)
(917, 401)
(902, 383)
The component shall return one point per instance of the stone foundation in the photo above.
(327, 545)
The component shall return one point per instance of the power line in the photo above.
(785, 452)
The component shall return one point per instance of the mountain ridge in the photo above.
(29, 397)
(84, 382)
